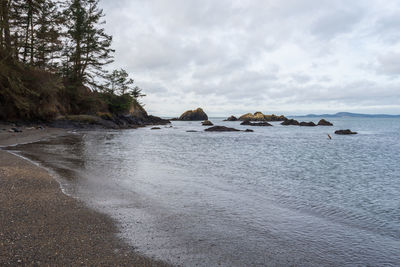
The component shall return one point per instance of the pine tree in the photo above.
(5, 37)
(136, 93)
(118, 81)
(24, 15)
(89, 47)
(48, 43)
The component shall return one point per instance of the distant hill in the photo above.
(354, 115)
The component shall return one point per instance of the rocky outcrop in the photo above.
(324, 122)
(307, 124)
(290, 122)
(194, 115)
(249, 123)
(231, 118)
(221, 129)
(296, 123)
(345, 132)
(259, 116)
(15, 130)
(207, 123)
(107, 122)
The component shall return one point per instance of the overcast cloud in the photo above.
(234, 57)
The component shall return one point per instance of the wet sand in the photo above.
(41, 226)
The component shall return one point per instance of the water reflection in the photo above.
(279, 196)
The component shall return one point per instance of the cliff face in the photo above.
(136, 110)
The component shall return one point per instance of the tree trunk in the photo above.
(28, 20)
(32, 39)
(2, 22)
(5, 25)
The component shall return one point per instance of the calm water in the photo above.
(280, 196)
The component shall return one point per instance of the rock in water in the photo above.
(221, 129)
(249, 131)
(231, 118)
(255, 124)
(345, 132)
(308, 124)
(290, 122)
(194, 115)
(16, 130)
(155, 128)
(324, 123)
(259, 116)
(207, 123)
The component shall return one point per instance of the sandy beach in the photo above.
(41, 226)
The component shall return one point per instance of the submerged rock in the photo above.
(221, 129)
(345, 132)
(290, 122)
(308, 124)
(207, 123)
(155, 128)
(259, 116)
(255, 124)
(194, 115)
(231, 118)
(324, 122)
(191, 131)
(15, 130)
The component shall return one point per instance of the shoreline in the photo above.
(41, 225)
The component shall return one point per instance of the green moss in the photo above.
(105, 115)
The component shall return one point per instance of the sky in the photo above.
(287, 57)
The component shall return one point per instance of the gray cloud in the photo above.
(336, 21)
(389, 64)
(244, 55)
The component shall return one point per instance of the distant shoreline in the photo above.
(349, 114)
(40, 225)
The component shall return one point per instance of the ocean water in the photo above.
(280, 196)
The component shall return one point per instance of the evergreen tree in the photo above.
(5, 37)
(89, 47)
(136, 93)
(118, 82)
(24, 15)
(48, 43)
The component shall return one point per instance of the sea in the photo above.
(278, 196)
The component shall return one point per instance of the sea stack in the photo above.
(231, 118)
(324, 122)
(207, 123)
(290, 122)
(194, 115)
(259, 116)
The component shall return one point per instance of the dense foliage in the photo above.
(53, 56)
